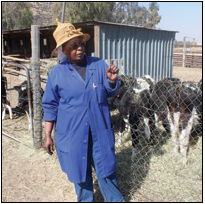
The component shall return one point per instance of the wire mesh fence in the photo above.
(158, 128)
(158, 133)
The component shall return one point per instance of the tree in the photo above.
(136, 15)
(84, 11)
(16, 15)
(153, 16)
(118, 12)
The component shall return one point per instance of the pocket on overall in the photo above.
(62, 141)
(101, 93)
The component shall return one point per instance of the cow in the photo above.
(114, 104)
(159, 99)
(5, 101)
(184, 113)
(135, 106)
(179, 106)
(23, 99)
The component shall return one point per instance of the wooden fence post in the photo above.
(36, 85)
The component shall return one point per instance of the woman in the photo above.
(75, 99)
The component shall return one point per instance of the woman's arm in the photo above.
(48, 143)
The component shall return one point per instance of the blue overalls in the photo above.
(75, 105)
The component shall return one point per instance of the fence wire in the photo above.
(158, 133)
(160, 153)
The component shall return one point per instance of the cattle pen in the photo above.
(155, 174)
(158, 129)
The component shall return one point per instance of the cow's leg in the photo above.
(29, 120)
(3, 111)
(185, 134)
(122, 129)
(127, 125)
(147, 129)
(156, 119)
(166, 122)
(10, 111)
(152, 127)
(134, 124)
(175, 133)
(174, 128)
(120, 138)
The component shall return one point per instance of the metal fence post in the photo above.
(184, 52)
(36, 84)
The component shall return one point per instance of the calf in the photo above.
(179, 106)
(23, 99)
(114, 103)
(134, 106)
(5, 101)
(184, 113)
(159, 99)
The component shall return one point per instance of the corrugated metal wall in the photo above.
(143, 51)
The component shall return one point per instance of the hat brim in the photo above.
(86, 37)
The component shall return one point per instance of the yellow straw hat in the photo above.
(65, 32)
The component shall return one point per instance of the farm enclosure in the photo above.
(156, 176)
(189, 57)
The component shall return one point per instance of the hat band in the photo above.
(66, 38)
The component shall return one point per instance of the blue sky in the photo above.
(185, 17)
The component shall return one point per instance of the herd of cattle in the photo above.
(178, 105)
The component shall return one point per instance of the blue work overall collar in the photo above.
(90, 69)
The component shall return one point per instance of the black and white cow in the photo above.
(115, 101)
(135, 106)
(179, 106)
(114, 104)
(184, 116)
(5, 101)
(23, 100)
(159, 99)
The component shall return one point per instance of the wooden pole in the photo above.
(36, 82)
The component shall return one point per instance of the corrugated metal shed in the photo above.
(137, 50)
(142, 51)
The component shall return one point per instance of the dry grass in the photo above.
(30, 175)
(157, 174)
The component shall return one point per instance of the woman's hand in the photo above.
(48, 144)
(112, 72)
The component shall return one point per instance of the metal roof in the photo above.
(84, 23)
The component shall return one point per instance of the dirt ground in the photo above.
(188, 74)
(30, 175)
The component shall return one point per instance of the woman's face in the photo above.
(74, 49)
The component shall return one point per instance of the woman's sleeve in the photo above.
(50, 100)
